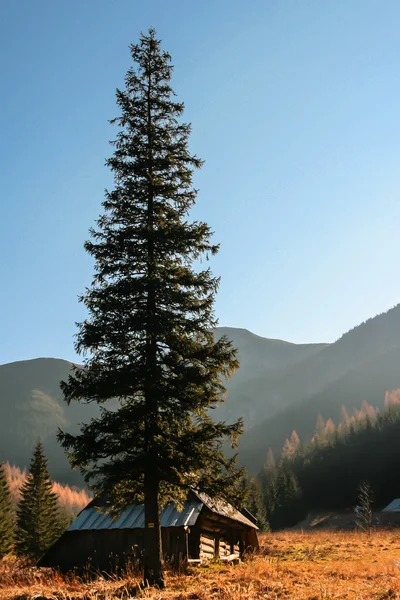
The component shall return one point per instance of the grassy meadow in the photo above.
(290, 565)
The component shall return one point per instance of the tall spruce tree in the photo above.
(6, 515)
(39, 519)
(148, 340)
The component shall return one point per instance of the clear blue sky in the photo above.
(295, 108)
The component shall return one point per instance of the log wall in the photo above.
(207, 546)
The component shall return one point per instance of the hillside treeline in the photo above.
(71, 499)
(360, 366)
(326, 473)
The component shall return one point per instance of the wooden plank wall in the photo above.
(174, 544)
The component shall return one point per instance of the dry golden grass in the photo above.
(295, 565)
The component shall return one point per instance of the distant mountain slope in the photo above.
(361, 365)
(257, 353)
(261, 359)
(31, 404)
(279, 387)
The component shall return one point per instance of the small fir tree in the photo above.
(320, 426)
(344, 416)
(287, 449)
(330, 428)
(270, 463)
(255, 503)
(291, 446)
(295, 441)
(287, 508)
(7, 520)
(365, 501)
(149, 336)
(39, 519)
(267, 478)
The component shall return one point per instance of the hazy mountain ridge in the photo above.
(362, 365)
(279, 387)
(32, 407)
(261, 362)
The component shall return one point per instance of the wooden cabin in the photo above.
(202, 530)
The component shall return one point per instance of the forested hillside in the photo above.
(327, 472)
(72, 500)
(362, 365)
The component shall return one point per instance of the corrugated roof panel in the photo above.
(133, 517)
(394, 506)
(90, 519)
(169, 515)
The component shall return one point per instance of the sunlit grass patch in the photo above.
(289, 566)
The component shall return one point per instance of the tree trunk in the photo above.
(153, 561)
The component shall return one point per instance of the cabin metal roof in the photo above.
(394, 506)
(133, 517)
(92, 518)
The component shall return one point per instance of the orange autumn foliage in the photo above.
(72, 499)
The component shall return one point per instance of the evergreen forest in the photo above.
(327, 472)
